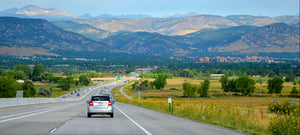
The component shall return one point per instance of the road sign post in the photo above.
(139, 96)
(169, 101)
(172, 106)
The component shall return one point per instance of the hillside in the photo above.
(274, 38)
(83, 29)
(185, 25)
(146, 43)
(278, 38)
(40, 33)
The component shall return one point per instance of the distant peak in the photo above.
(30, 6)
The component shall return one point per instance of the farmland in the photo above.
(247, 114)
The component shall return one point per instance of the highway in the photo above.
(71, 118)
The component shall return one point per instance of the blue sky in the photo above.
(164, 7)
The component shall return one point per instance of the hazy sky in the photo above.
(164, 7)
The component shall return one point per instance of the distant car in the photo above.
(100, 104)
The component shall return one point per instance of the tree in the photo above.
(83, 79)
(65, 83)
(227, 85)
(28, 85)
(8, 87)
(44, 91)
(245, 85)
(2, 72)
(129, 70)
(224, 82)
(47, 76)
(93, 74)
(26, 69)
(275, 85)
(290, 78)
(189, 90)
(75, 76)
(231, 86)
(68, 72)
(160, 81)
(37, 71)
(203, 89)
(17, 74)
(271, 74)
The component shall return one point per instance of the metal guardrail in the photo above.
(7, 102)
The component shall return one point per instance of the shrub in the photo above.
(295, 91)
(288, 125)
(236, 94)
(44, 91)
(284, 107)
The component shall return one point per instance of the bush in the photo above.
(236, 94)
(287, 125)
(295, 91)
(284, 107)
(44, 91)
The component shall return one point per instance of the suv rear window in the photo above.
(100, 98)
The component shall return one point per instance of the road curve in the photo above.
(71, 118)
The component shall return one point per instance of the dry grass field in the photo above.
(247, 114)
(215, 88)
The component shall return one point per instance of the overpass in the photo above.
(114, 79)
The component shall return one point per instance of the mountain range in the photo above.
(83, 29)
(38, 33)
(278, 38)
(32, 11)
(180, 35)
(185, 25)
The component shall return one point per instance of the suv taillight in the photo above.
(91, 103)
(109, 103)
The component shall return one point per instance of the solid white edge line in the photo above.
(147, 132)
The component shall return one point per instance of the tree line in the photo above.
(159, 83)
(246, 85)
(9, 84)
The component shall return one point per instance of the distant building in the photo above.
(206, 59)
(217, 75)
(256, 76)
(201, 59)
(221, 59)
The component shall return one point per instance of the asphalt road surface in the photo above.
(71, 118)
